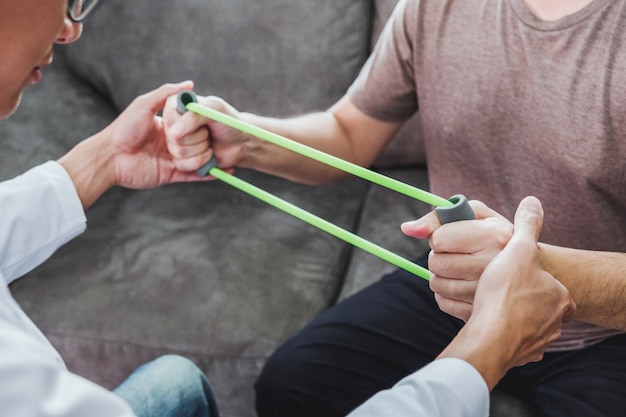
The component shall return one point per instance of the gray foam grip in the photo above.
(461, 210)
(184, 98)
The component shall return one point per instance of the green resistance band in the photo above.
(320, 223)
(457, 208)
(189, 101)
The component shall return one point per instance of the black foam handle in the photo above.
(461, 210)
(184, 98)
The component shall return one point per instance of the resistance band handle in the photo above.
(185, 98)
(460, 210)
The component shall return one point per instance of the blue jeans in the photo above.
(169, 386)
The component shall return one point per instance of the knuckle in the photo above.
(436, 284)
(436, 242)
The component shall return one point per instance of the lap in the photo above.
(589, 382)
(362, 345)
(373, 339)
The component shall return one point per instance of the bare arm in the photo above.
(343, 131)
(461, 250)
(596, 280)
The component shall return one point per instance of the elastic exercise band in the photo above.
(457, 208)
(320, 156)
(320, 223)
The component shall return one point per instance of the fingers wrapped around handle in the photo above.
(460, 210)
(184, 98)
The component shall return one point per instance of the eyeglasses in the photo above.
(79, 10)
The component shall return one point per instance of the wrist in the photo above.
(253, 149)
(482, 347)
(91, 166)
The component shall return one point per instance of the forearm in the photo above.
(90, 165)
(343, 131)
(596, 281)
(317, 130)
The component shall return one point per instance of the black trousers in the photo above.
(392, 328)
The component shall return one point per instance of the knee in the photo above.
(279, 383)
(180, 371)
(172, 384)
(186, 380)
(275, 372)
(175, 364)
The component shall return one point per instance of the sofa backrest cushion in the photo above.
(277, 57)
(273, 57)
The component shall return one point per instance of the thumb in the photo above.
(528, 219)
(156, 99)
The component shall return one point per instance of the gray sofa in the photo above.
(203, 270)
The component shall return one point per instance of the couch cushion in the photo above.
(201, 269)
(277, 57)
(382, 214)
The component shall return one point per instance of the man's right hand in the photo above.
(193, 140)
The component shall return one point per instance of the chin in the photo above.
(9, 107)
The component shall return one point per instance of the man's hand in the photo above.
(193, 139)
(460, 251)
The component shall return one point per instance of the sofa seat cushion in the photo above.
(199, 269)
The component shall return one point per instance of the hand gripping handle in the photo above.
(184, 98)
(460, 210)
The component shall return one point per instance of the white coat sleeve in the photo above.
(39, 212)
(34, 382)
(446, 387)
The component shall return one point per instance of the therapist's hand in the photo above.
(131, 152)
(518, 307)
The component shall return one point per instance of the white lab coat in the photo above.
(447, 387)
(39, 212)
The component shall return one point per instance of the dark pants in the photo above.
(371, 340)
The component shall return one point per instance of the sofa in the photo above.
(204, 270)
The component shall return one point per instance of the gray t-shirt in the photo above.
(512, 106)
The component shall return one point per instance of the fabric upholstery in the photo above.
(203, 270)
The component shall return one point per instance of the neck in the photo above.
(552, 10)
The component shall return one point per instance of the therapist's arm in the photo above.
(518, 307)
(33, 383)
(40, 212)
(518, 310)
(445, 387)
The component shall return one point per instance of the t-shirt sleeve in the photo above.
(385, 88)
